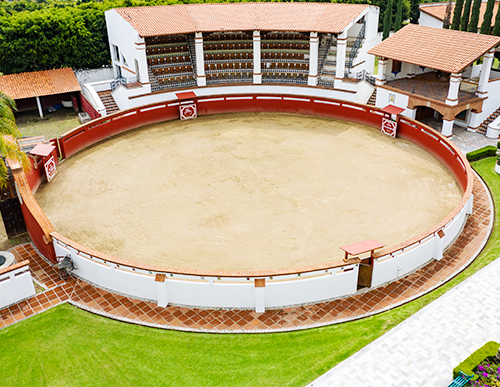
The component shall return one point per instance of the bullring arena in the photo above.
(243, 207)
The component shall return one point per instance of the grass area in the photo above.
(66, 346)
(51, 126)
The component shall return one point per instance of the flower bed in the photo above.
(488, 373)
(481, 362)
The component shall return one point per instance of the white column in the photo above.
(447, 128)
(40, 111)
(341, 53)
(438, 246)
(161, 288)
(382, 68)
(200, 59)
(484, 76)
(411, 113)
(452, 98)
(474, 121)
(260, 295)
(257, 72)
(411, 73)
(313, 59)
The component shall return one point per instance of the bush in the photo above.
(468, 365)
(482, 153)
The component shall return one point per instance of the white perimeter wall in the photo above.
(16, 285)
(430, 21)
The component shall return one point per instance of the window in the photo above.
(116, 52)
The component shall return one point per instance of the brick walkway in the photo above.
(102, 302)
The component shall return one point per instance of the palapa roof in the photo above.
(209, 17)
(39, 83)
(438, 10)
(436, 48)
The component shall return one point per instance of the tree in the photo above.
(447, 16)
(464, 22)
(387, 20)
(496, 29)
(414, 11)
(488, 15)
(8, 133)
(399, 16)
(474, 19)
(457, 13)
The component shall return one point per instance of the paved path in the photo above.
(424, 349)
(468, 141)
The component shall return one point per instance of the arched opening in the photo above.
(429, 116)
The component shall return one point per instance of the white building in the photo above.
(299, 48)
(432, 14)
(435, 73)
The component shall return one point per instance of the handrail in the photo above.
(354, 50)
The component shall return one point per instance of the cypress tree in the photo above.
(387, 20)
(415, 12)
(474, 19)
(399, 16)
(447, 16)
(464, 22)
(488, 14)
(459, 5)
(496, 29)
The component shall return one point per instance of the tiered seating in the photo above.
(228, 57)
(284, 57)
(170, 61)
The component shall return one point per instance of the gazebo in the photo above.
(438, 69)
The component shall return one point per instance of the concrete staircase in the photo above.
(373, 98)
(484, 125)
(108, 101)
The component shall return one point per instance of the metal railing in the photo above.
(122, 81)
(355, 48)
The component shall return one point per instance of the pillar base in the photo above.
(201, 81)
(312, 81)
(447, 128)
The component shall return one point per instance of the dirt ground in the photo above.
(247, 192)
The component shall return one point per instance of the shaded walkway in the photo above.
(105, 303)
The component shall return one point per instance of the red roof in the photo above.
(208, 17)
(436, 48)
(362, 247)
(39, 84)
(42, 149)
(186, 95)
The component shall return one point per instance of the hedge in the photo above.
(482, 153)
(468, 365)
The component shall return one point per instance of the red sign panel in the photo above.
(389, 127)
(50, 168)
(188, 111)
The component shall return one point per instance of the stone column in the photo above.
(452, 98)
(341, 53)
(474, 121)
(257, 72)
(382, 68)
(312, 80)
(447, 128)
(484, 76)
(201, 79)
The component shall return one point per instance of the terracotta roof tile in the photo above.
(438, 10)
(189, 18)
(39, 84)
(446, 50)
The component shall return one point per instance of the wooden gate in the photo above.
(365, 275)
(12, 216)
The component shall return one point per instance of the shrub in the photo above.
(482, 153)
(468, 365)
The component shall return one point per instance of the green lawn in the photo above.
(66, 346)
(51, 126)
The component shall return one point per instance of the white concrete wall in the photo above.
(121, 94)
(491, 103)
(94, 75)
(371, 40)
(213, 292)
(365, 90)
(130, 44)
(389, 267)
(89, 90)
(430, 21)
(400, 100)
(16, 285)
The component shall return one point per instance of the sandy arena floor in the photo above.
(247, 192)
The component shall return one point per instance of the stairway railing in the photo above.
(355, 48)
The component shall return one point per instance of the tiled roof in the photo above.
(438, 10)
(39, 84)
(436, 48)
(189, 18)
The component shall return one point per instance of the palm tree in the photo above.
(8, 134)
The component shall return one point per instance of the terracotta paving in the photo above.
(102, 302)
